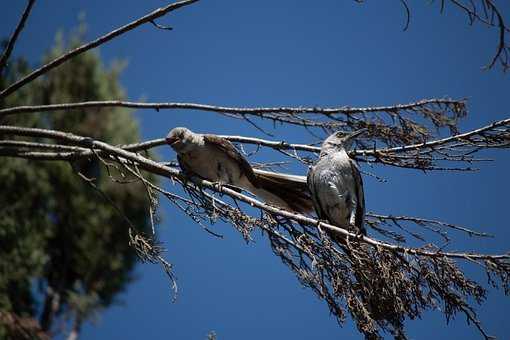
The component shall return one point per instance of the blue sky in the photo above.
(276, 53)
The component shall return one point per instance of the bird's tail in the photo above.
(284, 190)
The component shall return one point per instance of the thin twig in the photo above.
(15, 34)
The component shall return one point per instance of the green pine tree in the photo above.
(64, 250)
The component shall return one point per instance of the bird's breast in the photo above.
(213, 165)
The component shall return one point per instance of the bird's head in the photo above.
(341, 140)
(182, 140)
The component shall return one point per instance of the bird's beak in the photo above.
(355, 134)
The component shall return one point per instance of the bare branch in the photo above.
(484, 11)
(491, 16)
(31, 145)
(408, 14)
(423, 156)
(161, 27)
(395, 128)
(159, 169)
(93, 44)
(15, 34)
(457, 148)
(257, 111)
(376, 221)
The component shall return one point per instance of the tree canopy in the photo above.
(64, 248)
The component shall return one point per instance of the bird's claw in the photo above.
(193, 179)
(218, 186)
(359, 234)
(320, 223)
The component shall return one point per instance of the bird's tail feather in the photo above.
(283, 189)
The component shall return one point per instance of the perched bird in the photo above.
(336, 185)
(216, 159)
(337, 192)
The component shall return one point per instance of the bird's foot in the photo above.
(359, 233)
(194, 179)
(218, 186)
(320, 223)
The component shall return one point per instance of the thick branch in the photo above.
(31, 145)
(423, 156)
(93, 44)
(22, 149)
(159, 169)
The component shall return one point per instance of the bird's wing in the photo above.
(184, 166)
(312, 179)
(360, 196)
(230, 150)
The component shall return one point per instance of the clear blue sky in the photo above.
(310, 53)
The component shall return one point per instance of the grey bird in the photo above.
(337, 193)
(336, 185)
(216, 159)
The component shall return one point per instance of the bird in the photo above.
(336, 188)
(215, 159)
(336, 185)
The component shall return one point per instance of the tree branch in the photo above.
(93, 44)
(159, 169)
(375, 221)
(392, 129)
(391, 125)
(257, 111)
(457, 148)
(423, 156)
(492, 17)
(15, 34)
(484, 11)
